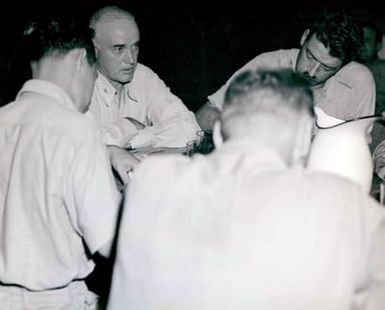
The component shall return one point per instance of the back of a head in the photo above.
(108, 13)
(254, 98)
(55, 37)
(339, 31)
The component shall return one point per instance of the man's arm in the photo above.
(91, 193)
(122, 161)
(171, 123)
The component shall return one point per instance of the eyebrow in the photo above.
(326, 66)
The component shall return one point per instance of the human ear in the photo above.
(217, 134)
(81, 57)
(302, 141)
(304, 36)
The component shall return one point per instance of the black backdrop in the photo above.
(194, 46)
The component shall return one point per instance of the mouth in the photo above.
(127, 70)
(310, 80)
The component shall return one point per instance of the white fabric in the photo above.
(75, 296)
(58, 200)
(350, 93)
(237, 230)
(147, 99)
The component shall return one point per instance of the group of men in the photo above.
(246, 226)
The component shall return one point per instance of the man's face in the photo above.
(369, 49)
(315, 63)
(117, 48)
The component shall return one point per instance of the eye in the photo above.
(135, 47)
(328, 69)
(118, 49)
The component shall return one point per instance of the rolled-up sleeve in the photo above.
(170, 122)
(167, 121)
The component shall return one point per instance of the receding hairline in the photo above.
(108, 14)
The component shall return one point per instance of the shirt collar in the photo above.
(49, 89)
(257, 153)
(109, 91)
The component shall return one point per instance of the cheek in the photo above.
(302, 64)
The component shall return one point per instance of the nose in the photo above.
(129, 57)
(313, 70)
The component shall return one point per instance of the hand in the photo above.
(136, 123)
(123, 162)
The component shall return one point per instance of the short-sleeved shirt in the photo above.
(147, 99)
(237, 229)
(348, 94)
(58, 199)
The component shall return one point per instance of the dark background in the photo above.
(194, 46)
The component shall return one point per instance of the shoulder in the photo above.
(281, 53)
(354, 75)
(337, 188)
(283, 58)
(160, 167)
(143, 71)
(146, 77)
(66, 122)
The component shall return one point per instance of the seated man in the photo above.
(245, 227)
(59, 203)
(132, 105)
(342, 88)
(368, 55)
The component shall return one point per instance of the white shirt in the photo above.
(147, 99)
(237, 230)
(58, 201)
(350, 93)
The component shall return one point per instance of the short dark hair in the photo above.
(292, 89)
(46, 37)
(339, 31)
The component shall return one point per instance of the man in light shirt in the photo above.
(246, 227)
(132, 105)
(58, 199)
(343, 89)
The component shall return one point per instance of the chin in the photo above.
(126, 78)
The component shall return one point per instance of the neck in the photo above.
(55, 70)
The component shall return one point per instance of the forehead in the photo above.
(117, 31)
(321, 52)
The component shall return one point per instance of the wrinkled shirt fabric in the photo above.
(237, 229)
(350, 93)
(58, 199)
(168, 122)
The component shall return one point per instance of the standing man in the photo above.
(244, 227)
(133, 106)
(58, 198)
(342, 88)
